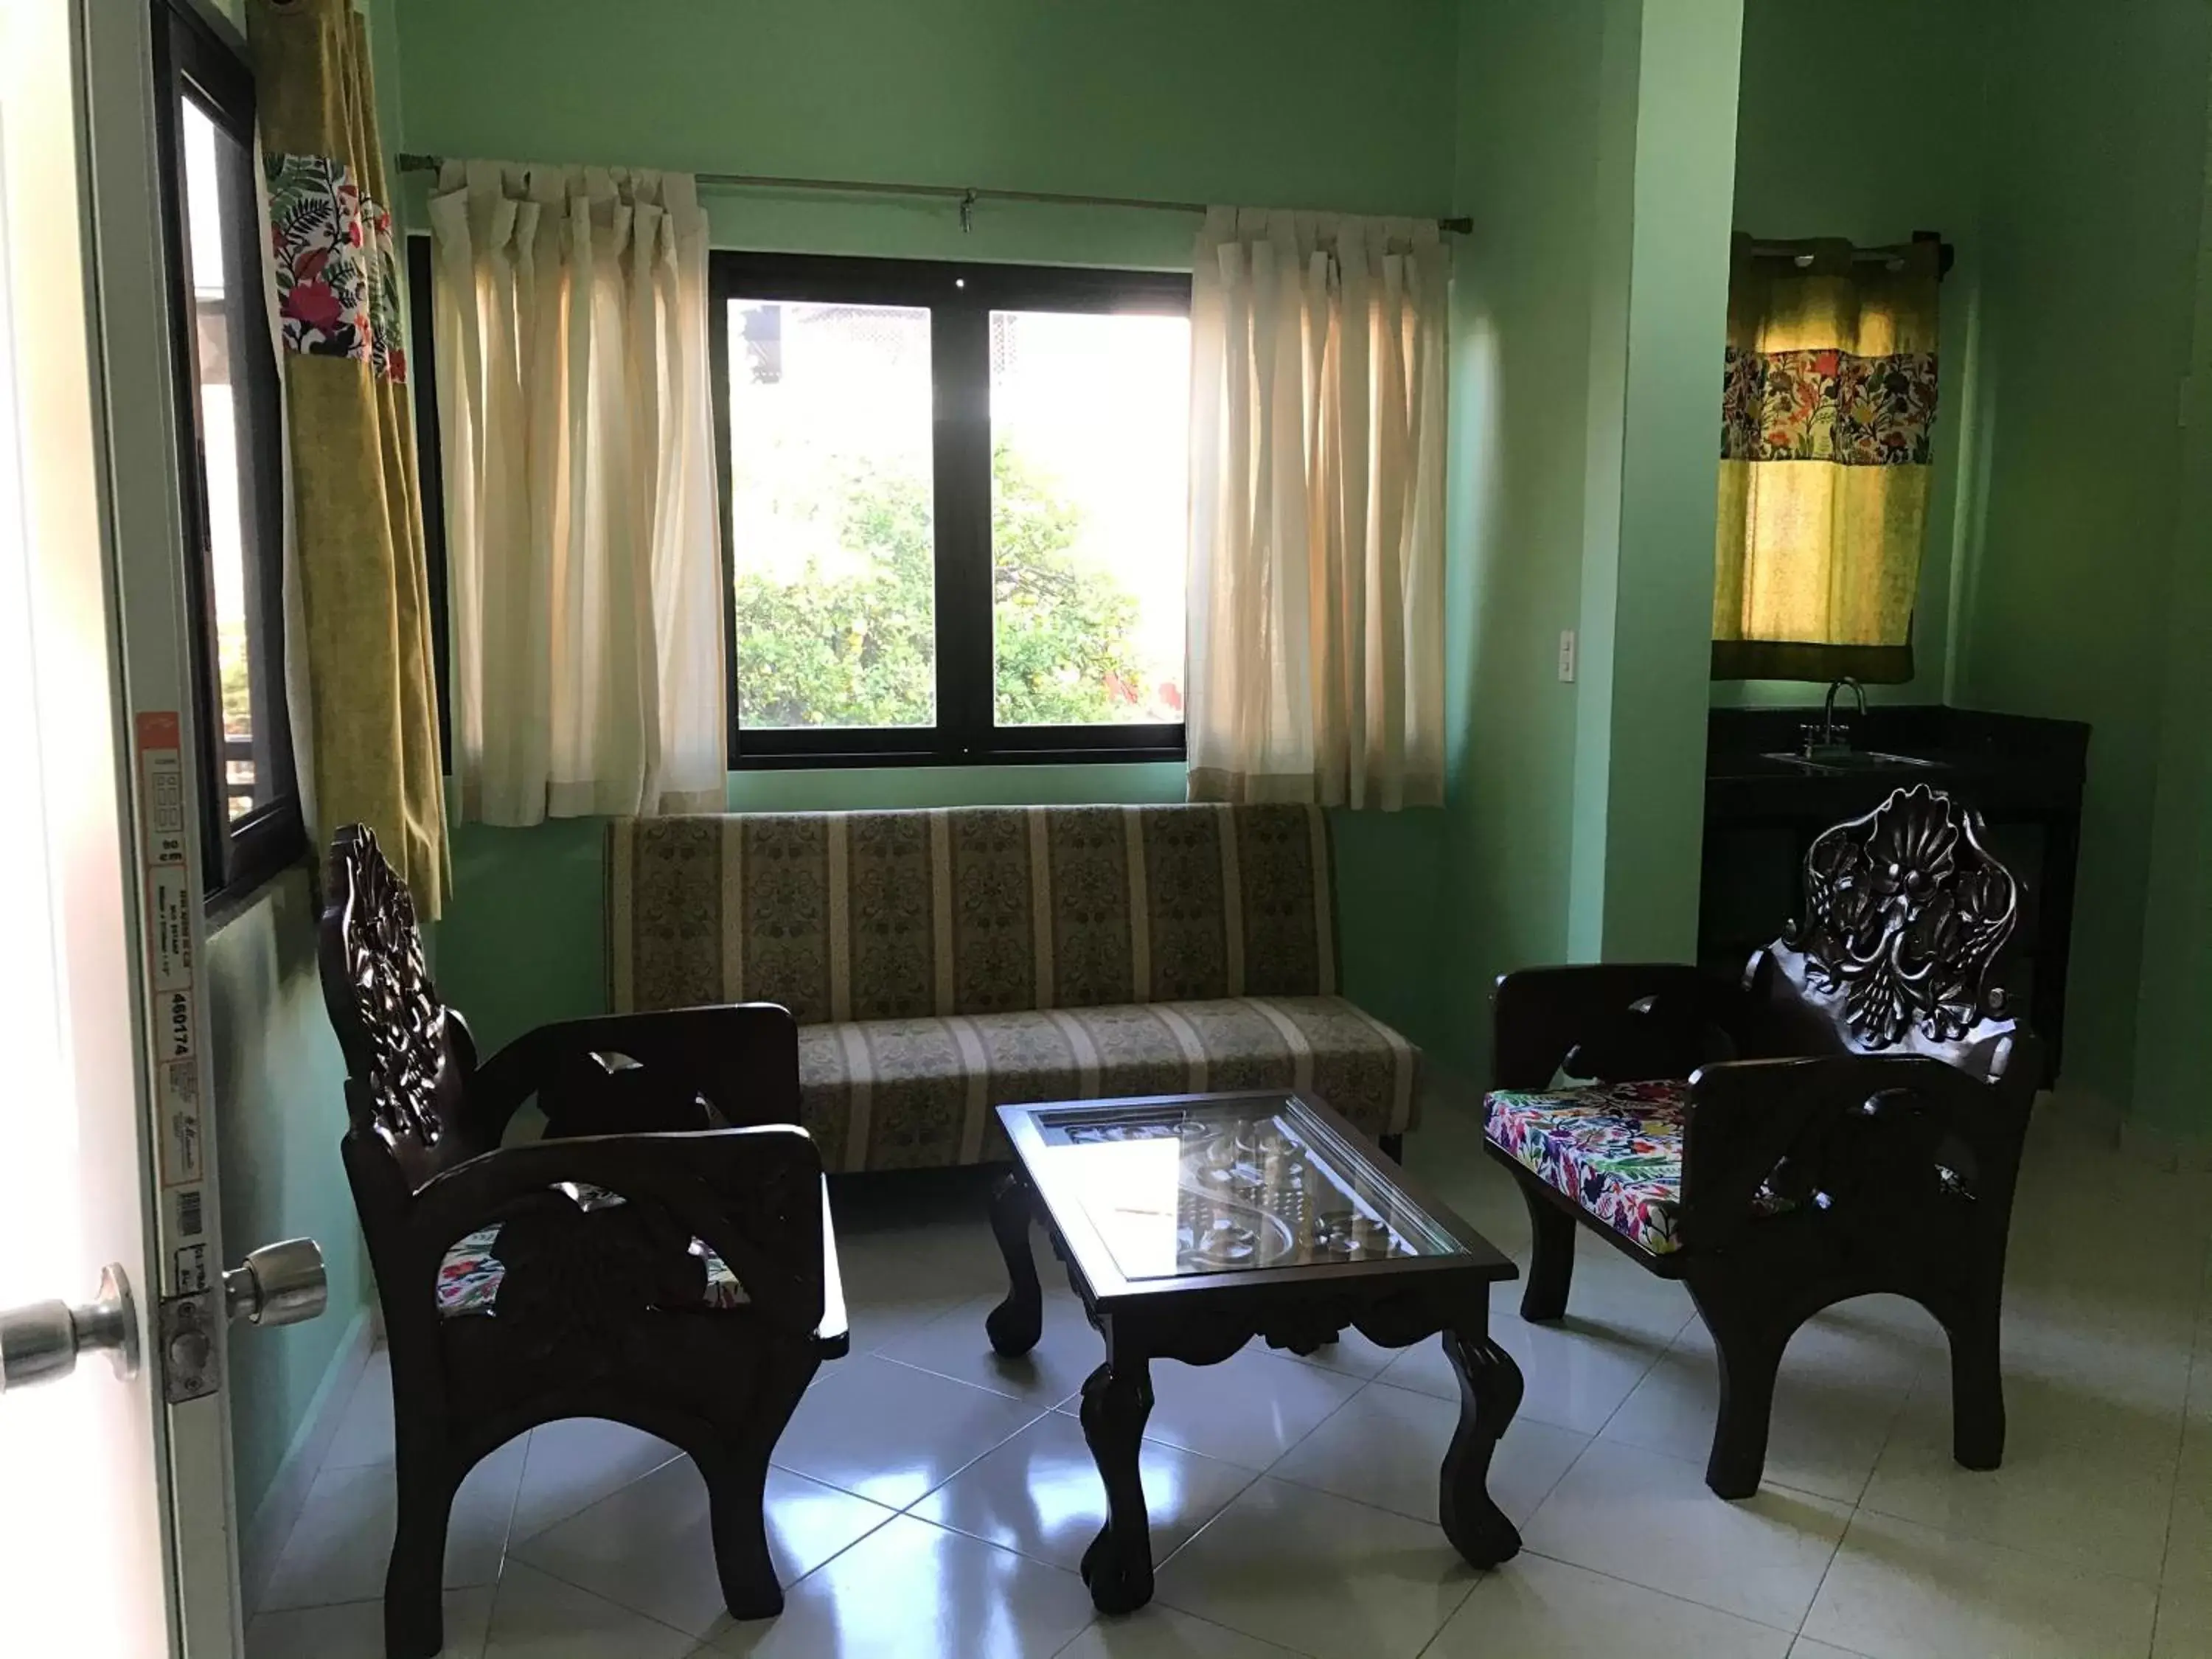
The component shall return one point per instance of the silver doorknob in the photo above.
(42, 1343)
(278, 1284)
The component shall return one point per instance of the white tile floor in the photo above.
(931, 1500)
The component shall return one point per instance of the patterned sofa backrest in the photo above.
(970, 910)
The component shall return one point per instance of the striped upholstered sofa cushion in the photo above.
(941, 963)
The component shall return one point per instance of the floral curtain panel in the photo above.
(1316, 529)
(1828, 403)
(362, 696)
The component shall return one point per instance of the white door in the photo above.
(117, 1520)
(83, 1564)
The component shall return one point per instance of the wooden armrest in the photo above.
(1622, 1021)
(746, 1194)
(1842, 1129)
(742, 1058)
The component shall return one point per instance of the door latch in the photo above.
(190, 1368)
(277, 1284)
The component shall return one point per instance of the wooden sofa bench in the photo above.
(942, 963)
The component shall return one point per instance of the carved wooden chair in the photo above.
(663, 1257)
(1848, 1121)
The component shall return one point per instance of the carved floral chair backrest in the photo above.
(408, 1056)
(1906, 915)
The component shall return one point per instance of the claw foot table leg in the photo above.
(1118, 1565)
(1489, 1395)
(1017, 1322)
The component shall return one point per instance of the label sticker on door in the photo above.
(169, 927)
(171, 1010)
(179, 1088)
(188, 1212)
(189, 1274)
(161, 766)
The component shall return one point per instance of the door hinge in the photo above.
(191, 1368)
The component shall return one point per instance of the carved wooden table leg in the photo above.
(1489, 1395)
(1015, 1324)
(1117, 1398)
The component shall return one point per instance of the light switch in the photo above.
(1566, 656)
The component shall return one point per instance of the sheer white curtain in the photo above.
(583, 534)
(1316, 532)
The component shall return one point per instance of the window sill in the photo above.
(258, 850)
(821, 755)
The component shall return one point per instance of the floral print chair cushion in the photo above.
(1614, 1148)
(472, 1272)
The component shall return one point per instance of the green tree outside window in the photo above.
(859, 648)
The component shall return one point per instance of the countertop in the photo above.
(2002, 764)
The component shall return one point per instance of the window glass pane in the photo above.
(220, 230)
(1089, 516)
(833, 532)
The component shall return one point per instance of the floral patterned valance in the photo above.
(337, 290)
(1828, 405)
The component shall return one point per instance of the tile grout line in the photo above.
(1098, 1621)
(2200, 1350)
(1692, 1463)
(1058, 1401)
(1268, 1473)
(1835, 1554)
(1671, 1596)
(1642, 1376)
(1255, 1477)
(1858, 1503)
(491, 1617)
(507, 1530)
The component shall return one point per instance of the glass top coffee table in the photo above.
(1191, 1224)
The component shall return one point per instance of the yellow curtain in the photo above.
(364, 697)
(1828, 403)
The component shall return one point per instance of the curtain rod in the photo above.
(1946, 255)
(965, 196)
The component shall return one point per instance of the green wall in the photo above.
(1595, 148)
(2174, 1041)
(1284, 103)
(1521, 352)
(1151, 98)
(1670, 80)
(2093, 180)
(1219, 101)
(280, 1110)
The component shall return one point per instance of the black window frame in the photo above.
(959, 297)
(191, 59)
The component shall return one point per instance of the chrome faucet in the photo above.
(1828, 737)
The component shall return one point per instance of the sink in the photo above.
(1853, 760)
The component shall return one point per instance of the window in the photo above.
(227, 414)
(955, 504)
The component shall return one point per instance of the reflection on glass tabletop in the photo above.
(1182, 1188)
